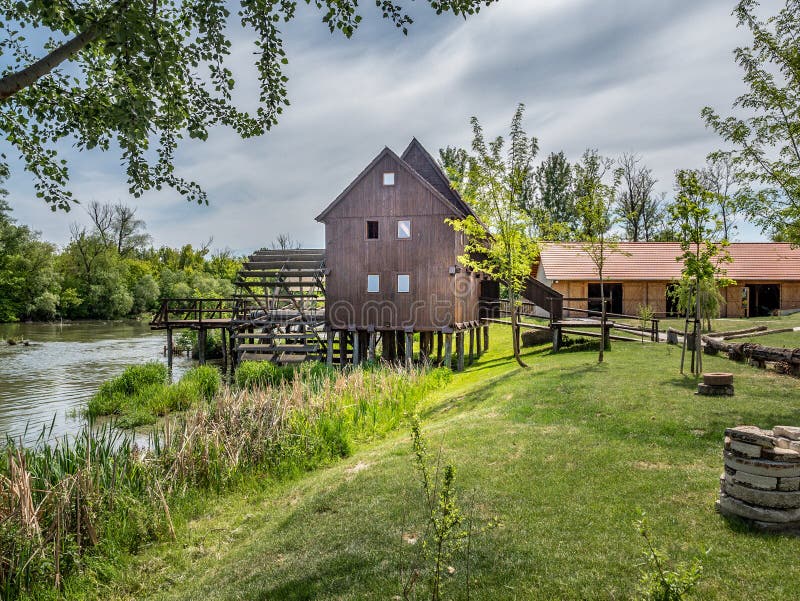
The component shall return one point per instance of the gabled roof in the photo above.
(656, 261)
(432, 182)
(423, 163)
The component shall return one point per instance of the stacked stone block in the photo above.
(761, 483)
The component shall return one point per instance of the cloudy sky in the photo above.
(621, 76)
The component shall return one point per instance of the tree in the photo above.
(596, 208)
(140, 75)
(719, 177)
(554, 213)
(637, 207)
(765, 132)
(455, 163)
(703, 253)
(499, 243)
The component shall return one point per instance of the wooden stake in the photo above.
(459, 351)
(169, 347)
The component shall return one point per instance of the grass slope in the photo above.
(564, 454)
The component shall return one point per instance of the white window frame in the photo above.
(408, 221)
(388, 178)
(407, 278)
(373, 278)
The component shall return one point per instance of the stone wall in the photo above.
(761, 483)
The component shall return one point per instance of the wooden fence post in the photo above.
(459, 351)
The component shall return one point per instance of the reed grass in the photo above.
(98, 495)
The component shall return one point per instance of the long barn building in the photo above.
(767, 277)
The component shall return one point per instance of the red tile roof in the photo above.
(656, 261)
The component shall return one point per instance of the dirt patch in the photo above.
(358, 467)
(646, 465)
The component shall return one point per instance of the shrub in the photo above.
(257, 374)
(207, 379)
(135, 382)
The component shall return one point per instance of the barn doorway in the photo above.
(613, 291)
(765, 299)
(672, 300)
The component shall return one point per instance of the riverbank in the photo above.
(564, 455)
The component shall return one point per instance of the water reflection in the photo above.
(63, 366)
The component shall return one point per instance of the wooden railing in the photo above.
(189, 312)
(653, 322)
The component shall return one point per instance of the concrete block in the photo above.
(772, 499)
(761, 467)
(755, 481)
(752, 435)
(790, 432)
(789, 484)
(746, 449)
(727, 505)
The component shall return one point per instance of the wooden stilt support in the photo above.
(371, 353)
(409, 349)
(459, 351)
(479, 341)
(342, 348)
(448, 351)
(201, 346)
(329, 348)
(486, 338)
(471, 345)
(169, 347)
(556, 339)
(356, 349)
(388, 346)
(439, 344)
(401, 344)
(224, 348)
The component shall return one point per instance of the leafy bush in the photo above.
(258, 374)
(207, 379)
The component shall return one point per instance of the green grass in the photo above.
(141, 394)
(564, 454)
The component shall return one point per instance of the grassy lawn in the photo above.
(564, 454)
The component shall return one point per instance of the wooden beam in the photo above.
(371, 354)
(471, 345)
(169, 347)
(479, 341)
(342, 348)
(448, 350)
(329, 348)
(486, 338)
(460, 351)
(409, 349)
(356, 340)
(439, 343)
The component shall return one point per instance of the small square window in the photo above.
(372, 230)
(403, 282)
(388, 179)
(404, 229)
(373, 283)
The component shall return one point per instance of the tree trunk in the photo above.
(515, 330)
(19, 80)
(602, 320)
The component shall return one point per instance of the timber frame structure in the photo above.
(387, 284)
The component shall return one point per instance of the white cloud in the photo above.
(624, 76)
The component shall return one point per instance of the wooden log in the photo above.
(169, 347)
(342, 348)
(753, 352)
(471, 345)
(724, 335)
(764, 332)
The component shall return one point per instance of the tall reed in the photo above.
(99, 493)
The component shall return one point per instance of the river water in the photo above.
(63, 366)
